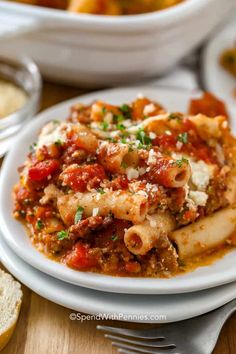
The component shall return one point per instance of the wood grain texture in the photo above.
(45, 328)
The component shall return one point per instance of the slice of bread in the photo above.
(10, 303)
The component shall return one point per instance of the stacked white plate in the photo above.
(133, 299)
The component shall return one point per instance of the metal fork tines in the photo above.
(155, 343)
(150, 346)
(196, 336)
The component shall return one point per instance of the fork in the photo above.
(196, 336)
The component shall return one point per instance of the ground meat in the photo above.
(84, 227)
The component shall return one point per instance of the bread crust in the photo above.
(6, 335)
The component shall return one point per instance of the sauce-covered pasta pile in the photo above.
(130, 189)
(106, 7)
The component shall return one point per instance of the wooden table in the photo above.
(45, 328)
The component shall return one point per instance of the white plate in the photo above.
(123, 307)
(216, 79)
(219, 273)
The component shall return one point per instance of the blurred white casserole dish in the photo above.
(93, 50)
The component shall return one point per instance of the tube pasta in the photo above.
(85, 139)
(139, 239)
(170, 173)
(121, 204)
(206, 233)
(208, 127)
(116, 157)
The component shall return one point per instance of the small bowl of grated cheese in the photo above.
(12, 98)
(20, 90)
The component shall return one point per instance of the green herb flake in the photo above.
(39, 224)
(180, 162)
(101, 191)
(124, 165)
(126, 111)
(58, 142)
(131, 149)
(79, 214)
(114, 237)
(174, 116)
(104, 110)
(120, 127)
(32, 147)
(183, 137)
(104, 125)
(143, 137)
(61, 235)
(120, 118)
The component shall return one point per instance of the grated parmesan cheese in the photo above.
(179, 145)
(95, 211)
(53, 132)
(199, 198)
(149, 108)
(151, 157)
(131, 173)
(152, 135)
(12, 98)
(201, 174)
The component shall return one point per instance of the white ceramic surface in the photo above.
(216, 79)
(123, 307)
(102, 50)
(219, 273)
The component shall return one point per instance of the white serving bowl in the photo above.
(92, 50)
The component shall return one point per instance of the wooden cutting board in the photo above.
(45, 328)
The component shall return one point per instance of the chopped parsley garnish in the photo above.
(123, 164)
(180, 162)
(123, 140)
(131, 149)
(183, 137)
(120, 118)
(143, 137)
(120, 126)
(32, 147)
(176, 116)
(39, 224)
(79, 214)
(101, 191)
(114, 237)
(104, 125)
(126, 111)
(58, 142)
(104, 110)
(61, 235)
(113, 140)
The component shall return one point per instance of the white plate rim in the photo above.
(132, 307)
(179, 284)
